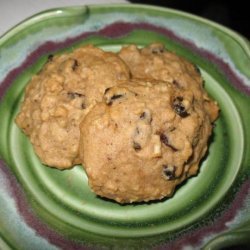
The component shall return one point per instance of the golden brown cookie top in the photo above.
(60, 95)
(155, 62)
(87, 71)
(145, 131)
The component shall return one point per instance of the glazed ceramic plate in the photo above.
(44, 208)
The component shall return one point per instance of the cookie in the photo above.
(155, 62)
(143, 139)
(58, 97)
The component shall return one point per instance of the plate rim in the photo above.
(64, 9)
(54, 11)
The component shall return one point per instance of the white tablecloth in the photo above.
(14, 11)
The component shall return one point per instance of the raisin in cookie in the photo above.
(58, 97)
(143, 139)
(157, 63)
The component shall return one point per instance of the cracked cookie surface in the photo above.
(58, 97)
(155, 62)
(143, 139)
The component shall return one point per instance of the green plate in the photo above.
(44, 208)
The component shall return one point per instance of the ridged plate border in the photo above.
(210, 210)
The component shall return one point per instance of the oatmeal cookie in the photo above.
(58, 97)
(155, 62)
(143, 139)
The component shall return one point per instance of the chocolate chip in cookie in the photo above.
(179, 107)
(114, 97)
(75, 65)
(169, 172)
(136, 146)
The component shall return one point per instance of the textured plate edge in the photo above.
(66, 11)
(230, 32)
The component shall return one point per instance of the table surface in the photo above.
(14, 11)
